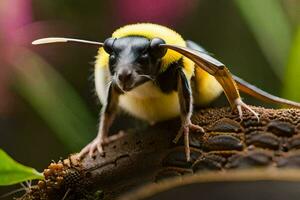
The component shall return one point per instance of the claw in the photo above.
(84, 151)
(178, 136)
(191, 126)
(196, 128)
(113, 137)
(185, 130)
(97, 145)
(100, 149)
(90, 149)
(240, 104)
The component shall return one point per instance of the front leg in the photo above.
(219, 71)
(108, 113)
(186, 106)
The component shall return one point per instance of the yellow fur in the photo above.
(150, 31)
(147, 101)
(205, 87)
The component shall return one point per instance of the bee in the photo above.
(151, 72)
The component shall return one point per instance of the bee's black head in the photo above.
(133, 60)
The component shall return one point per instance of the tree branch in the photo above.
(147, 156)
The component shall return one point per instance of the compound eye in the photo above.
(108, 45)
(156, 50)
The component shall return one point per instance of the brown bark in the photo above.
(148, 156)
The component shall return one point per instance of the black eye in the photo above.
(144, 56)
(112, 59)
(155, 48)
(108, 45)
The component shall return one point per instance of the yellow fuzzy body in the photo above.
(147, 101)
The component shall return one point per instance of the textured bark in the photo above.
(147, 156)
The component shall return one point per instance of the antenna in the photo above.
(61, 39)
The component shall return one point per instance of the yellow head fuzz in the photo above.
(150, 31)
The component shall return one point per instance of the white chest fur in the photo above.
(146, 102)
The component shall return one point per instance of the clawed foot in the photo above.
(185, 130)
(97, 145)
(240, 104)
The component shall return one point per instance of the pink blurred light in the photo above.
(167, 12)
(13, 15)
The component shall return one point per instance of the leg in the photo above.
(185, 101)
(219, 71)
(231, 91)
(107, 116)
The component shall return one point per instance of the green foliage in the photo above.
(270, 27)
(55, 100)
(291, 88)
(12, 172)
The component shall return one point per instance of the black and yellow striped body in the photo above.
(158, 100)
(152, 73)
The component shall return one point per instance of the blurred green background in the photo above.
(48, 107)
